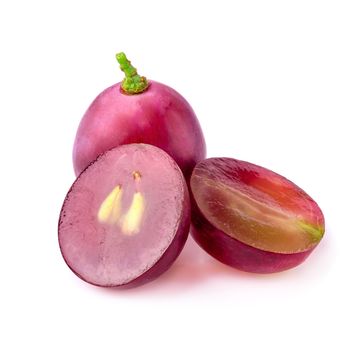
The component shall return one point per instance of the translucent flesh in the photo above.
(259, 216)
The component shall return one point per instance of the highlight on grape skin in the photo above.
(138, 110)
(251, 218)
(126, 218)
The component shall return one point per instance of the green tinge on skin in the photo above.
(316, 232)
(133, 83)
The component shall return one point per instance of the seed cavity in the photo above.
(110, 208)
(132, 220)
(129, 220)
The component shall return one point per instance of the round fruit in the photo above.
(126, 217)
(138, 110)
(251, 218)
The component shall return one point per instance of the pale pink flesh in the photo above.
(101, 253)
(158, 116)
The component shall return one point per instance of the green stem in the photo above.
(132, 83)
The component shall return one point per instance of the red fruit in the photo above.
(251, 218)
(139, 111)
(126, 217)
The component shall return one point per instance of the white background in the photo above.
(270, 83)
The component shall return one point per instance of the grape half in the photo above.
(126, 217)
(251, 218)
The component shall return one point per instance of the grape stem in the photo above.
(133, 83)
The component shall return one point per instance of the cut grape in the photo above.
(252, 218)
(126, 217)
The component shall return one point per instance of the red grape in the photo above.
(252, 218)
(126, 217)
(156, 115)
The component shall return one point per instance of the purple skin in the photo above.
(98, 245)
(159, 116)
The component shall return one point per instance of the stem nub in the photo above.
(132, 83)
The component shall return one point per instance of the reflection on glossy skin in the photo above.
(138, 110)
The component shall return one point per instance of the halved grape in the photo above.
(126, 217)
(251, 218)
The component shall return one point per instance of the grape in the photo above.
(126, 217)
(251, 218)
(156, 115)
